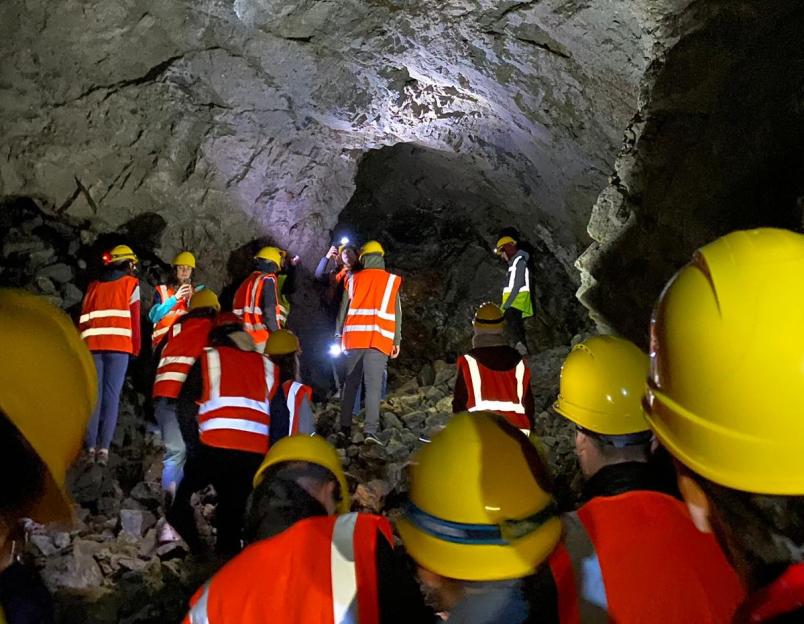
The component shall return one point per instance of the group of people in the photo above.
(720, 398)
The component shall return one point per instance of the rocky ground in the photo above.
(109, 567)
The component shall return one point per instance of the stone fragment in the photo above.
(71, 295)
(60, 273)
(427, 375)
(45, 285)
(136, 521)
(44, 544)
(371, 496)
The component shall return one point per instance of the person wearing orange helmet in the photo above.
(110, 326)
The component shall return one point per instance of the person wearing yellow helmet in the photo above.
(48, 387)
(481, 521)
(672, 570)
(110, 326)
(493, 376)
(257, 301)
(171, 300)
(185, 343)
(291, 406)
(333, 566)
(724, 397)
(517, 299)
(370, 328)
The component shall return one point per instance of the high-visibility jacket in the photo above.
(296, 394)
(234, 410)
(639, 558)
(321, 570)
(522, 300)
(371, 319)
(109, 316)
(185, 344)
(781, 601)
(164, 324)
(248, 305)
(502, 392)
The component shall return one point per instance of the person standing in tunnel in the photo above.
(110, 326)
(286, 284)
(291, 405)
(171, 300)
(517, 302)
(332, 270)
(370, 328)
(257, 301)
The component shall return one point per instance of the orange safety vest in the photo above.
(321, 570)
(106, 323)
(248, 305)
(371, 319)
(639, 558)
(234, 410)
(296, 393)
(186, 342)
(162, 326)
(497, 391)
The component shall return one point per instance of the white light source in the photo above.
(344, 241)
(335, 349)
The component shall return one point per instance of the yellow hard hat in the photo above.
(120, 253)
(477, 511)
(372, 247)
(185, 258)
(282, 342)
(602, 384)
(727, 363)
(505, 240)
(205, 298)
(271, 254)
(488, 316)
(48, 387)
(312, 449)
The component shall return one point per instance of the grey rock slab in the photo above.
(60, 273)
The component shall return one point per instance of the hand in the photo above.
(332, 253)
(185, 292)
(295, 260)
(395, 352)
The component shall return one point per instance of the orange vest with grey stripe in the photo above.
(321, 570)
(248, 305)
(163, 325)
(186, 342)
(501, 392)
(106, 323)
(234, 411)
(371, 319)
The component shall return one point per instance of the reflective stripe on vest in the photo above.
(180, 353)
(291, 398)
(248, 306)
(198, 612)
(232, 418)
(343, 571)
(512, 277)
(163, 325)
(481, 404)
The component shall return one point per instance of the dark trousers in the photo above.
(366, 365)
(515, 325)
(111, 367)
(230, 473)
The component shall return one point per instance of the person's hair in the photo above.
(280, 501)
(288, 366)
(18, 495)
(764, 533)
(127, 266)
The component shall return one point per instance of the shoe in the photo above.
(425, 438)
(88, 456)
(372, 438)
(102, 457)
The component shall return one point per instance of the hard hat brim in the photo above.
(599, 422)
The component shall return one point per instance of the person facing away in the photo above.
(257, 301)
(45, 405)
(110, 326)
(493, 376)
(724, 396)
(631, 549)
(171, 300)
(517, 301)
(482, 544)
(370, 328)
(291, 405)
(186, 341)
(226, 396)
(309, 559)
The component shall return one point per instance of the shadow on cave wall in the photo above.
(438, 218)
(722, 149)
